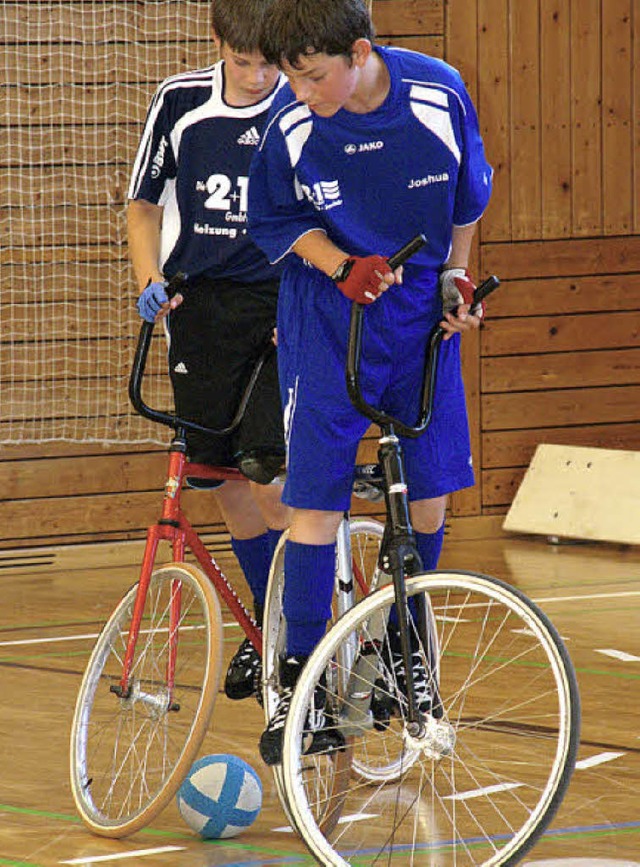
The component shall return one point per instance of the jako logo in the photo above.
(363, 147)
(158, 160)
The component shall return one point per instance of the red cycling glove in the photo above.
(457, 287)
(359, 277)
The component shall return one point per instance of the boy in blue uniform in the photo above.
(365, 148)
(188, 212)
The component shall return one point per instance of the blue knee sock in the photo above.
(274, 538)
(308, 590)
(429, 546)
(254, 558)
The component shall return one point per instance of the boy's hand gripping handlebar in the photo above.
(354, 351)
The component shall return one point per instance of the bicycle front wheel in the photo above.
(488, 767)
(129, 754)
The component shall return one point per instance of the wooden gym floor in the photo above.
(54, 602)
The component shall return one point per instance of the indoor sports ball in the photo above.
(220, 797)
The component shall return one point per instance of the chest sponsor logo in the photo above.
(364, 147)
(428, 180)
(324, 195)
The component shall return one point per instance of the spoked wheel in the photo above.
(365, 537)
(490, 763)
(129, 754)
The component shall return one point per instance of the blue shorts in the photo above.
(323, 429)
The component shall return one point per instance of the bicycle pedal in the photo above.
(383, 707)
(326, 741)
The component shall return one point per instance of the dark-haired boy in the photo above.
(365, 148)
(187, 212)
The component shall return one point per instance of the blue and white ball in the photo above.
(220, 797)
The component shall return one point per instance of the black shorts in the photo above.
(216, 336)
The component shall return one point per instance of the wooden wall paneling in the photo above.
(605, 256)
(560, 370)
(461, 51)
(56, 274)
(515, 448)
(93, 185)
(408, 17)
(586, 111)
(61, 355)
(431, 45)
(617, 133)
(50, 225)
(54, 251)
(555, 76)
(118, 472)
(499, 487)
(102, 63)
(531, 334)
(524, 77)
(94, 144)
(24, 22)
(111, 102)
(556, 296)
(97, 516)
(494, 110)
(571, 406)
(635, 65)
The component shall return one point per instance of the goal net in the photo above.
(77, 78)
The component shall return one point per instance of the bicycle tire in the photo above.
(365, 537)
(129, 755)
(491, 772)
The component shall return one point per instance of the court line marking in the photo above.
(591, 762)
(587, 596)
(356, 817)
(619, 654)
(598, 759)
(134, 853)
(479, 793)
(86, 637)
(233, 624)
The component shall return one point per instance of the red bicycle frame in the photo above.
(173, 527)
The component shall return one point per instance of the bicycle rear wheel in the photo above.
(129, 755)
(489, 769)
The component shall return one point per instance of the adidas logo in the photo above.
(180, 367)
(250, 137)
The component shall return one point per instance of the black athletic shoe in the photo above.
(321, 733)
(244, 673)
(394, 676)
(273, 736)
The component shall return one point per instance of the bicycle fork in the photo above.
(400, 558)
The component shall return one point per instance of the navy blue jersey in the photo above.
(372, 181)
(193, 160)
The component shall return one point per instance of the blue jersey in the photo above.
(372, 181)
(193, 160)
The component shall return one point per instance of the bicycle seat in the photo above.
(368, 483)
(200, 484)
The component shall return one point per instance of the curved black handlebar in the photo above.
(170, 419)
(354, 351)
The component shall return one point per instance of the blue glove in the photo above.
(151, 300)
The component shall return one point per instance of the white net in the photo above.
(77, 78)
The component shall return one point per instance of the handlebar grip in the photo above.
(485, 288)
(407, 251)
(176, 283)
